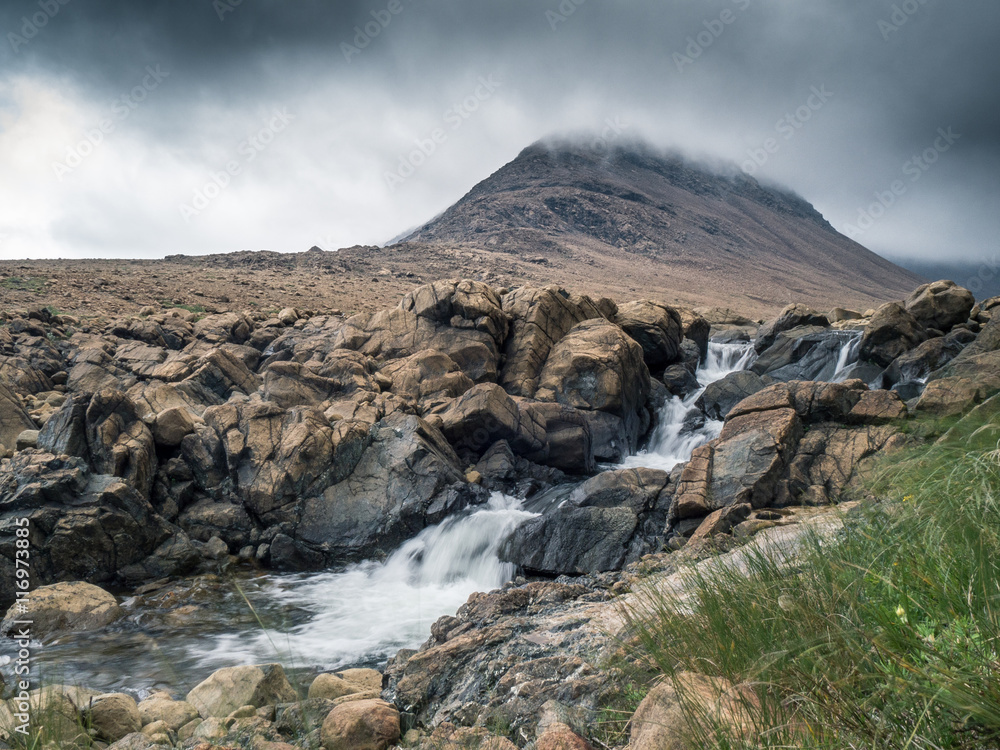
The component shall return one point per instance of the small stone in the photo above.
(27, 439)
(331, 687)
(113, 716)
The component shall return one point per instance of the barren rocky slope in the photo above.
(633, 217)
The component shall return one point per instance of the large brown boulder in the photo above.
(597, 367)
(569, 443)
(64, 607)
(791, 317)
(961, 384)
(657, 328)
(315, 383)
(234, 687)
(464, 319)
(539, 319)
(361, 725)
(485, 414)
(941, 305)
(696, 329)
(112, 716)
(426, 381)
(891, 332)
(791, 443)
(273, 457)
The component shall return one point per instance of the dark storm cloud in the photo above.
(718, 79)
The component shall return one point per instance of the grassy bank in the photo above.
(885, 637)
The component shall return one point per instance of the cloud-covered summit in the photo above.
(386, 87)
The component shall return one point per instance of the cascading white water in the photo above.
(849, 355)
(372, 609)
(673, 441)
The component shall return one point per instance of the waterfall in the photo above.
(675, 437)
(372, 609)
(848, 358)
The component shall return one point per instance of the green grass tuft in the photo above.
(887, 636)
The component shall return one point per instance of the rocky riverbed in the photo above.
(572, 441)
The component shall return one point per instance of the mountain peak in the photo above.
(568, 200)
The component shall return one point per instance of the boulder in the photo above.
(407, 478)
(464, 319)
(721, 396)
(539, 320)
(657, 328)
(964, 382)
(65, 607)
(361, 725)
(113, 716)
(878, 407)
(608, 520)
(273, 457)
(569, 440)
(804, 353)
(558, 736)
(27, 439)
(891, 332)
(696, 329)
(485, 414)
(171, 426)
(680, 381)
(106, 430)
(174, 714)
(331, 687)
(83, 526)
(917, 364)
(793, 316)
(941, 305)
(426, 381)
(228, 689)
(663, 719)
(596, 367)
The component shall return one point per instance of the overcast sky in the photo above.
(140, 129)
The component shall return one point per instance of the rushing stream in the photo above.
(309, 621)
(673, 441)
(358, 616)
